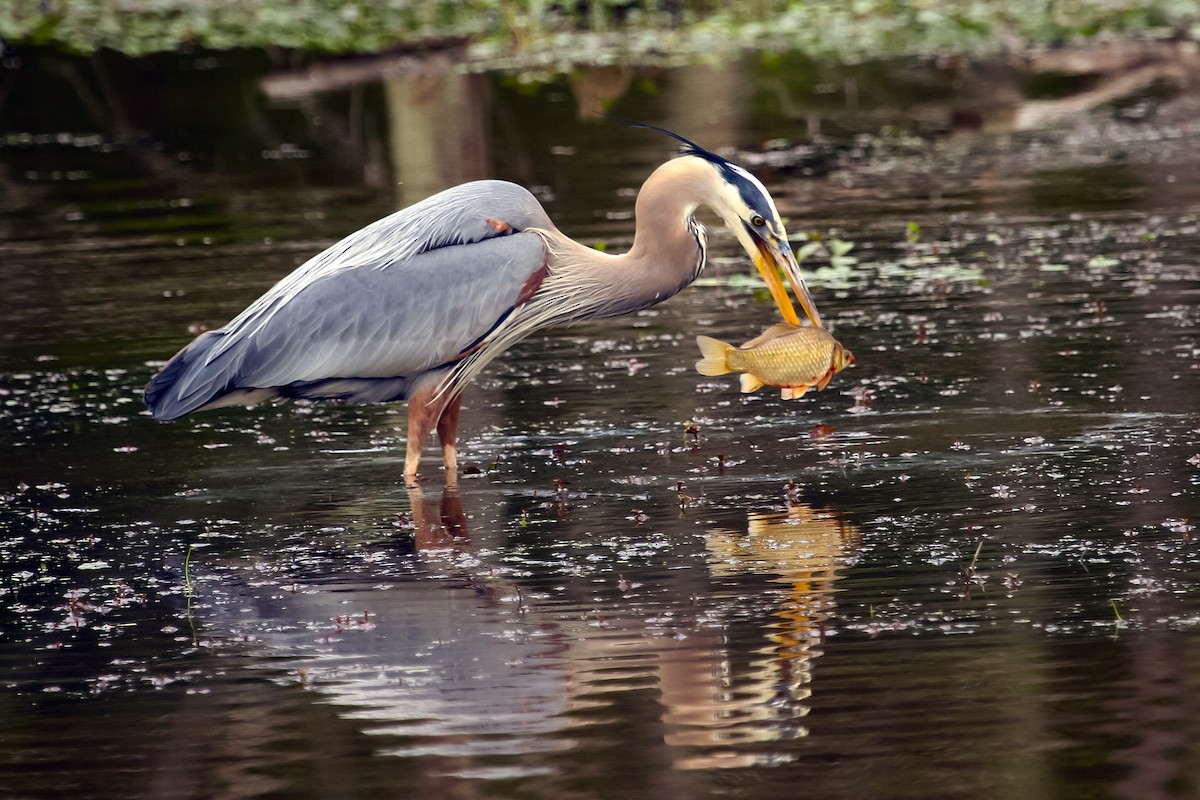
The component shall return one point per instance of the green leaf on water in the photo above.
(807, 250)
(839, 248)
(738, 280)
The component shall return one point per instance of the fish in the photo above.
(794, 358)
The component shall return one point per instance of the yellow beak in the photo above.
(772, 259)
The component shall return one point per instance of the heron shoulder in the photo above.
(462, 214)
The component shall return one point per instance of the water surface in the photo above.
(966, 569)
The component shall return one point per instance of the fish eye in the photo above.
(758, 221)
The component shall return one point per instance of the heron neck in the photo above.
(669, 245)
(667, 254)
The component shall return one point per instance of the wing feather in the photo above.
(406, 294)
(387, 323)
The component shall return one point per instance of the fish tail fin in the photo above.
(751, 383)
(714, 356)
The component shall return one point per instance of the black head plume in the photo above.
(689, 147)
(751, 190)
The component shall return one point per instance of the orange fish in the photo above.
(792, 357)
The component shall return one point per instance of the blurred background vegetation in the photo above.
(591, 31)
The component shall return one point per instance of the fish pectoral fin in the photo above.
(824, 381)
(773, 332)
(714, 354)
(750, 383)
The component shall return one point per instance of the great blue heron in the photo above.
(414, 305)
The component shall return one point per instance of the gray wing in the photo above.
(460, 215)
(406, 294)
(376, 323)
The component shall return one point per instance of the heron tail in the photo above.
(714, 356)
(203, 375)
(188, 382)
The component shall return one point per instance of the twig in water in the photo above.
(189, 588)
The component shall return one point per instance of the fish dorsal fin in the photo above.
(750, 383)
(773, 332)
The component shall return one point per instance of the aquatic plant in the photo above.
(538, 32)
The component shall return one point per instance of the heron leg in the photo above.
(447, 428)
(422, 415)
(426, 410)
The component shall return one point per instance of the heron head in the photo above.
(745, 205)
(747, 208)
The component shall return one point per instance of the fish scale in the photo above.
(794, 358)
(783, 360)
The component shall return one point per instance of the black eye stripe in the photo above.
(746, 186)
(751, 195)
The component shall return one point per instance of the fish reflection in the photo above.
(803, 547)
(713, 708)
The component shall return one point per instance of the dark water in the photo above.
(966, 569)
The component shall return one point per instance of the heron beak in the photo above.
(776, 257)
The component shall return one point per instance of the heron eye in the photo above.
(758, 221)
